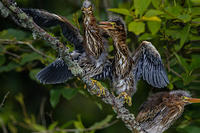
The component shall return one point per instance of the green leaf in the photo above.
(153, 12)
(146, 36)
(13, 34)
(191, 129)
(170, 86)
(173, 11)
(53, 125)
(54, 97)
(184, 17)
(196, 20)
(196, 2)
(187, 78)
(78, 124)
(154, 26)
(141, 6)
(9, 67)
(175, 34)
(120, 11)
(184, 35)
(183, 63)
(103, 122)
(195, 11)
(18, 34)
(67, 124)
(2, 59)
(68, 93)
(38, 127)
(195, 62)
(156, 3)
(153, 18)
(30, 57)
(136, 27)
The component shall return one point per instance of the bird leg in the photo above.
(127, 98)
(100, 86)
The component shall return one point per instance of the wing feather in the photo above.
(106, 72)
(55, 73)
(149, 66)
(46, 19)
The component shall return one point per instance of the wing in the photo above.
(106, 72)
(55, 73)
(46, 19)
(148, 64)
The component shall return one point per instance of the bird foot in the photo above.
(127, 98)
(100, 86)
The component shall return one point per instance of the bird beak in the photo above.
(106, 25)
(191, 100)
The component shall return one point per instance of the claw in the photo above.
(101, 88)
(126, 97)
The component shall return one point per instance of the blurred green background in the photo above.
(173, 26)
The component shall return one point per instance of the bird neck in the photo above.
(122, 60)
(120, 44)
(93, 40)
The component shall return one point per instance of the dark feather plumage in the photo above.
(148, 64)
(55, 73)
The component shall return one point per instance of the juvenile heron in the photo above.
(126, 69)
(162, 109)
(90, 51)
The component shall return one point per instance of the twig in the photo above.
(175, 73)
(196, 81)
(29, 44)
(4, 99)
(3, 126)
(109, 98)
(42, 109)
(79, 130)
(168, 66)
(13, 54)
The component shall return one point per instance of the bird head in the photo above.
(182, 97)
(87, 7)
(114, 27)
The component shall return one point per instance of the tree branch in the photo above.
(79, 130)
(29, 44)
(9, 9)
(4, 99)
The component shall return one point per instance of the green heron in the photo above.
(127, 70)
(162, 109)
(90, 51)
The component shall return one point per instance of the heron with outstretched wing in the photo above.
(90, 51)
(127, 70)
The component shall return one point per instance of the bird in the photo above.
(162, 109)
(128, 68)
(90, 48)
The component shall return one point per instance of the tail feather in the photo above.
(55, 73)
